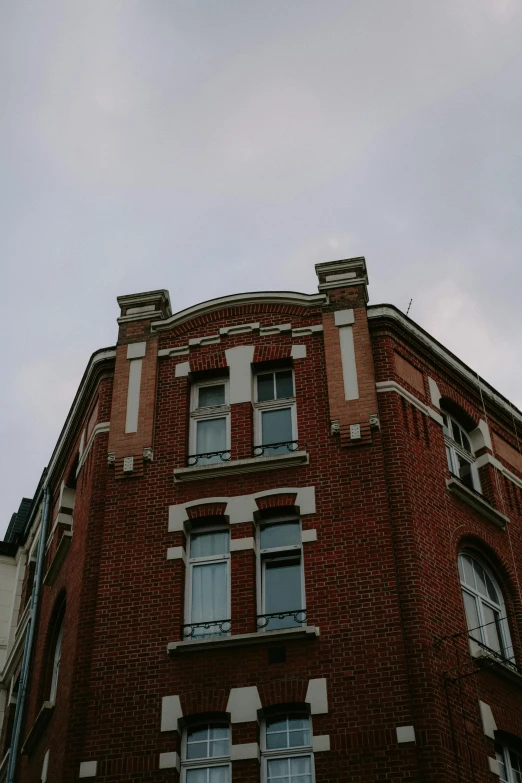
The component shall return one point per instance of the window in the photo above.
(206, 754)
(275, 422)
(281, 579)
(510, 764)
(208, 584)
(57, 654)
(461, 462)
(287, 749)
(484, 605)
(210, 423)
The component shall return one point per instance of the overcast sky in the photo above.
(217, 146)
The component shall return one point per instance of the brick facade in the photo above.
(381, 660)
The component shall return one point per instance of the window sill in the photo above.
(243, 639)
(477, 502)
(57, 561)
(488, 660)
(38, 728)
(251, 465)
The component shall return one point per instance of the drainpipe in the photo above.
(29, 641)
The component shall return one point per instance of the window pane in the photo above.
(211, 395)
(469, 574)
(445, 426)
(492, 593)
(219, 775)
(219, 741)
(516, 766)
(197, 775)
(265, 387)
(480, 578)
(209, 596)
(301, 766)
(465, 442)
(282, 591)
(278, 770)
(492, 630)
(464, 471)
(284, 384)
(276, 427)
(207, 544)
(470, 605)
(449, 457)
(456, 433)
(499, 753)
(211, 436)
(283, 534)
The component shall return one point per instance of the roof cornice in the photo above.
(237, 300)
(391, 312)
(85, 389)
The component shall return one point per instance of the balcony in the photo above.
(273, 456)
(279, 620)
(207, 630)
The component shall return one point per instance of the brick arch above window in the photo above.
(205, 701)
(281, 692)
(215, 360)
(271, 353)
(206, 510)
(277, 500)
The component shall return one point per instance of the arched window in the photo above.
(57, 654)
(484, 605)
(206, 753)
(287, 749)
(461, 460)
(510, 764)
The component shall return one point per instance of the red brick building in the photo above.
(279, 540)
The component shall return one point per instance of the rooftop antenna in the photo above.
(408, 310)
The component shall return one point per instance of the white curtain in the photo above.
(209, 592)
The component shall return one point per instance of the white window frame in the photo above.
(296, 751)
(208, 559)
(503, 628)
(57, 656)
(269, 405)
(278, 553)
(208, 412)
(453, 449)
(504, 751)
(204, 762)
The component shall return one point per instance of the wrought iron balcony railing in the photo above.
(289, 445)
(209, 457)
(281, 619)
(501, 657)
(207, 629)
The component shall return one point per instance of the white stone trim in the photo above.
(494, 766)
(351, 386)
(136, 350)
(178, 350)
(171, 713)
(45, 767)
(435, 394)
(149, 308)
(98, 429)
(344, 317)
(248, 750)
(265, 331)
(241, 508)
(236, 300)
(387, 386)
(243, 704)
(386, 311)
(228, 331)
(182, 369)
(88, 769)
(405, 734)
(298, 352)
(133, 395)
(306, 331)
(169, 761)
(242, 544)
(488, 721)
(308, 536)
(209, 339)
(489, 459)
(317, 696)
(321, 743)
(239, 362)
(176, 553)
